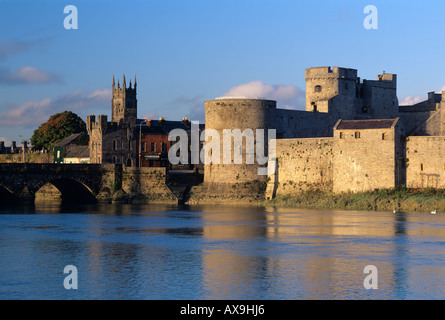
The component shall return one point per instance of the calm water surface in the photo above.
(218, 252)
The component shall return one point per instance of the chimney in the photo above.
(185, 121)
(161, 121)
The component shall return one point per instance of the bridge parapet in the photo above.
(104, 182)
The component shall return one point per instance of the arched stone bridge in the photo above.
(85, 182)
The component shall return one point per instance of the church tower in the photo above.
(124, 103)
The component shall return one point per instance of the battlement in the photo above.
(101, 123)
(331, 72)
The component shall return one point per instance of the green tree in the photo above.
(58, 127)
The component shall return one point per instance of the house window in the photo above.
(317, 89)
(142, 146)
(114, 145)
(164, 147)
(114, 159)
(58, 154)
(357, 135)
(153, 147)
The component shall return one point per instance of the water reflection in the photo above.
(219, 252)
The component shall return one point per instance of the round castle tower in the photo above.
(225, 115)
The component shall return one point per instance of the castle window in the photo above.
(421, 167)
(114, 159)
(341, 135)
(365, 109)
(384, 136)
(317, 89)
(114, 145)
(357, 135)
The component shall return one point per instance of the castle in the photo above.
(352, 137)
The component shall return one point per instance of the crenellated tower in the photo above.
(124, 103)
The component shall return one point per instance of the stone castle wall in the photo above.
(302, 124)
(367, 159)
(425, 162)
(303, 164)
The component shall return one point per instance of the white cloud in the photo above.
(410, 100)
(34, 113)
(150, 116)
(287, 96)
(28, 74)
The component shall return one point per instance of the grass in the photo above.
(401, 199)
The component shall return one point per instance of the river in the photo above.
(219, 252)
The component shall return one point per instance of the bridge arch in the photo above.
(71, 190)
(6, 195)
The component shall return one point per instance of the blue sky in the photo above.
(186, 52)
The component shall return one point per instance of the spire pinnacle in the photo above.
(113, 81)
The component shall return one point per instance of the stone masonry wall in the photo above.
(146, 185)
(303, 164)
(425, 162)
(365, 163)
(29, 158)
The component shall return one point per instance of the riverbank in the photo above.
(400, 199)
